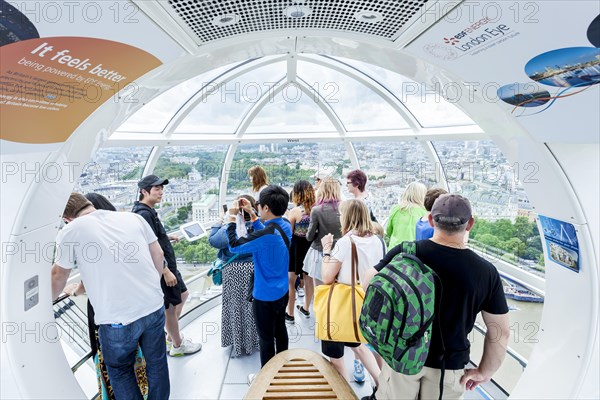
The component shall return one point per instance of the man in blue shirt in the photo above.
(271, 258)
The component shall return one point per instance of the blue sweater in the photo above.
(423, 230)
(218, 239)
(270, 254)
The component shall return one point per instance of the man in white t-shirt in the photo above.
(121, 263)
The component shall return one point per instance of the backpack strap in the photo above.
(409, 247)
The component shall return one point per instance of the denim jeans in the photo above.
(119, 346)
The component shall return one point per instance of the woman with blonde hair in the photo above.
(259, 179)
(324, 219)
(404, 216)
(358, 232)
(303, 196)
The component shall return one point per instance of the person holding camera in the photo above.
(269, 246)
(238, 328)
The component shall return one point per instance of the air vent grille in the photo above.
(267, 15)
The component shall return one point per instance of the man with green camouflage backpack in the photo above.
(468, 284)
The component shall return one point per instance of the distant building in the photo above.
(206, 209)
(524, 207)
(184, 160)
(180, 199)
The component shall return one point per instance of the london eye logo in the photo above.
(441, 51)
(452, 41)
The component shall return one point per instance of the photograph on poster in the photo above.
(562, 256)
(524, 94)
(561, 242)
(568, 67)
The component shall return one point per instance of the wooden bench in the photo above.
(299, 374)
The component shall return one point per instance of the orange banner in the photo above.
(49, 86)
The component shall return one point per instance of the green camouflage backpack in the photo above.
(397, 314)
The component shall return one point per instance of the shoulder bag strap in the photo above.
(355, 278)
(283, 235)
(230, 260)
(382, 244)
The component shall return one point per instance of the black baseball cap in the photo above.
(152, 180)
(455, 209)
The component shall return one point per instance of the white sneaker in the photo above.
(187, 347)
(300, 292)
(251, 379)
(169, 344)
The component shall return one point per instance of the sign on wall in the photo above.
(539, 61)
(561, 242)
(49, 86)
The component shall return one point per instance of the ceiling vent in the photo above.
(212, 20)
(297, 11)
(371, 17)
(226, 20)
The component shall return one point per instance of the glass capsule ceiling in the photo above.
(279, 96)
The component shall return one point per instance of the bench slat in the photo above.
(307, 381)
(300, 388)
(298, 375)
(299, 395)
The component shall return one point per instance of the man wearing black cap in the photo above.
(470, 285)
(174, 289)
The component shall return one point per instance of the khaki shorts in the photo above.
(425, 385)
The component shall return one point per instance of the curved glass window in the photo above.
(505, 219)
(286, 163)
(223, 110)
(114, 173)
(390, 167)
(194, 173)
(358, 107)
(154, 116)
(422, 100)
(504, 229)
(291, 110)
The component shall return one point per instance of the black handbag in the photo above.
(250, 297)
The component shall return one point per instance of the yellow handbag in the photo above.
(337, 308)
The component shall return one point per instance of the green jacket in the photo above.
(402, 224)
